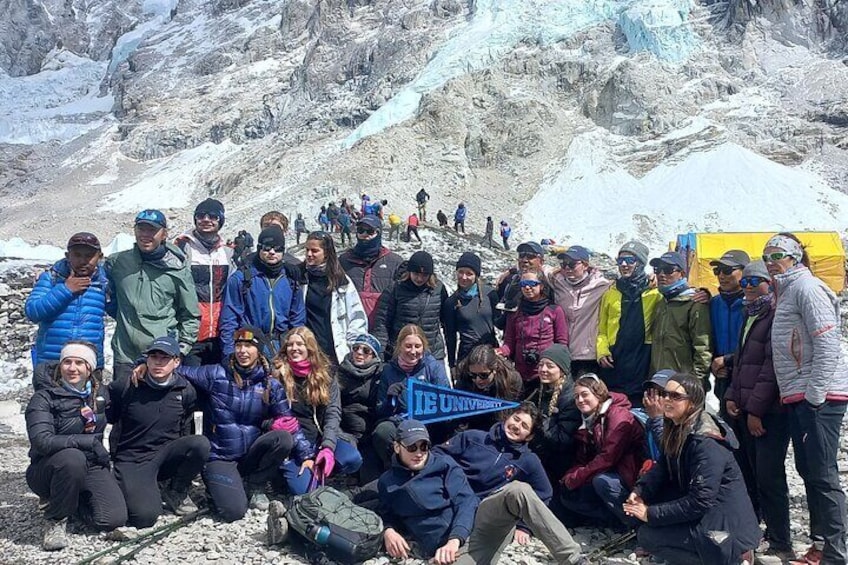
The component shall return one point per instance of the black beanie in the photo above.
(272, 236)
(213, 207)
(470, 261)
(420, 262)
(560, 355)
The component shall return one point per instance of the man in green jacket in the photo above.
(681, 332)
(153, 294)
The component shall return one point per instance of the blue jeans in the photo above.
(600, 502)
(348, 461)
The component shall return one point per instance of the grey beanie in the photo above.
(640, 250)
(560, 355)
(756, 269)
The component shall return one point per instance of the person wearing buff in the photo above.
(625, 323)
(681, 332)
(69, 467)
(578, 288)
(150, 417)
(531, 257)
(812, 377)
(263, 295)
(371, 266)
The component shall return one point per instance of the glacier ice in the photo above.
(661, 27)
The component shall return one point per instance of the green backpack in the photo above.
(346, 532)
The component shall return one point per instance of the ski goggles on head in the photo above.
(245, 336)
(528, 283)
(745, 282)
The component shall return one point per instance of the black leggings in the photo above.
(180, 460)
(74, 488)
(225, 480)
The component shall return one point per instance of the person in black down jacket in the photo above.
(69, 467)
(485, 372)
(416, 298)
(468, 312)
(313, 394)
(706, 515)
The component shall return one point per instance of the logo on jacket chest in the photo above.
(510, 472)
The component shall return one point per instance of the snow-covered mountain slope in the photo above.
(577, 119)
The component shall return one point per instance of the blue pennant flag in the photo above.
(430, 403)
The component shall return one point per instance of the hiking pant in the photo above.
(226, 480)
(412, 230)
(457, 225)
(348, 461)
(600, 502)
(422, 211)
(815, 439)
(766, 457)
(495, 523)
(487, 240)
(506, 243)
(346, 232)
(74, 488)
(672, 544)
(394, 233)
(178, 461)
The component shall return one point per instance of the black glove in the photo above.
(101, 456)
(397, 389)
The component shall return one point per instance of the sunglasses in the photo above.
(776, 256)
(528, 284)
(528, 255)
(745, 282)
(90, 418)
(668, 270)
(480, 376)
(206, 216)
(270, 248)
(570, 264)
(673, 396)
(363, 230)
(363, 349)
(724, 270)
(421, 446)
(627, 260)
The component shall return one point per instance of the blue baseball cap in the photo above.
(673, 258)
(575, 253)
(152, 217)
(167, 345)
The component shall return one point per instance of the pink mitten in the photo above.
(286, 423)
(326, 461)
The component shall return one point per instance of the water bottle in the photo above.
(320, 534)
(336, 544)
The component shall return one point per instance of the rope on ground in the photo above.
(612, 545)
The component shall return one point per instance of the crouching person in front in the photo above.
(149, 416)
(513, 488)
(69, 467)
(693, 500)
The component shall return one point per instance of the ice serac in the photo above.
(661, 27)
(491, 33)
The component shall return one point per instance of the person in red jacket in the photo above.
(538, 324)
(609, 453)
(412, 228)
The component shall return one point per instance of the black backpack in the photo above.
(344, 531)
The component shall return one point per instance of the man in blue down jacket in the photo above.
(69, 301)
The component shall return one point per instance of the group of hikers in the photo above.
(300, 369)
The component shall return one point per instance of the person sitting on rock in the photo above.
(69, 467)
(149, 418)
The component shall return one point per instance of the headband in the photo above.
(787, 244)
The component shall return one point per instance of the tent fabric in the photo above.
(827, 254)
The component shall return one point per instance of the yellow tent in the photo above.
(827, 255)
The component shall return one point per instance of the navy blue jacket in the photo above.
(490, 461)
(429, 369)
(270, 306)
(434, 504)
(62, 316)
(237, 413)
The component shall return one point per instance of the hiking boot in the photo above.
(258, 500)
(813, 556)
(178, 501)
(43, 503)
(55, 535)
(278, 526)
(748, 557)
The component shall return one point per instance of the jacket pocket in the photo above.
(796, 348)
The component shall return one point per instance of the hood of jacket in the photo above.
(174, 258)
(709, 426)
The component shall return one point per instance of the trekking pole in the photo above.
(612, 545)
(157, 533)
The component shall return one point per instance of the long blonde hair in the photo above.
(320, 376)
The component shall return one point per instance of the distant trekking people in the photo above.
(313, 394)
(490, 232)
(482, 371)
(813, 380)
(726, 313)
(513, 488)
(300, 227)
(625, 325)
(537, 324)
(505, 231)
(154, 294)
(412, 228)
(70, 301)
(378, 207)
(211, 265)
(149, 418)
(395, 223)
(262, 295)
(251, 427)
(753, 402)
(695, 491)
(442, 218)
(681, 332)
(468, 313)
(69, 467)
(608, 456)
(240, 248)
(578, 288)
(371, 266)
(334, 311)
(416, 298)
(345, 226)
(459, 217)
(333, 217)
(421, 199)
(323, 219)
